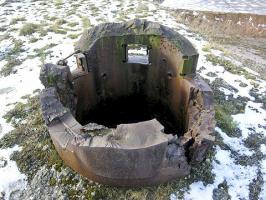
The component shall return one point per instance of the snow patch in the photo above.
(9, 175)
(252, 121)
(236, 144)
(237, 177)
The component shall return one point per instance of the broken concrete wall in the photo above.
(60, 78)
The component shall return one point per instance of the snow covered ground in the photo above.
(252, 121)
(48, 46)
(232, 6)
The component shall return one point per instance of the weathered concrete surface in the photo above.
(133, 136)
(59, 76)
(134, 31)
(130, 154)
(51, 106)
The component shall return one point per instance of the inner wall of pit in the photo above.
(109, 84)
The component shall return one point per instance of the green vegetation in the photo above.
(94, 9)
(256, 186)
(8, 68)
(51, 80)
(73, 36)
(264, 101)
(43, 32)
(206, 48)
(52, 18)
(71, 12)
(58, 3)
(43, 52)
(31, 134)
(60, 21)
(85, 22)
(225, 107)
(212, 45)
(29, 29)
(56, 29)
(52, 181)
(33, 40)
(11, 58)
(17, 19)
(225, 120)
(241, 84)
(231, 105)
(72, 24)
(229, 66)
(17, 48)
(254, 84)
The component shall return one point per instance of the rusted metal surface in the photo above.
(124, 123)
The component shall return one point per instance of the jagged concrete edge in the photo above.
(135, 27)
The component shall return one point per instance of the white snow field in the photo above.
(25, 78)
(232, 6)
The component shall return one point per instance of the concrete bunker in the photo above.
(133, 112)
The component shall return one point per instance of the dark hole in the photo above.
(170, 75)
(187, 146)
(103, 75)
(132, 109)
(185, 57)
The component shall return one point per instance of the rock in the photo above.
(39, 187)
(92, 127)
(2, 195)
(243, 84)
(3, 162)
(221, 193)
(53, 109)
(14, 195)
(59, 77)
(211, 74)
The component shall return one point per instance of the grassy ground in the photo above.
(47, 31)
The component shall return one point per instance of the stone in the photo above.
(59, 76)
(51, 106)
(2, 195)
(39, 187)
(3, 162)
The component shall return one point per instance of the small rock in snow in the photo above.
(3, 163)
